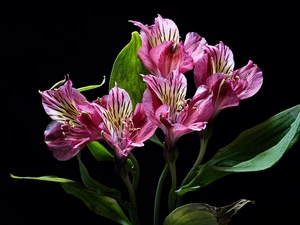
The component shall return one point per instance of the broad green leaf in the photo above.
(206, 175)
(102, 205)
(95, 185)
(204, 214)
(100, 152)
(127, 70)
(90, 87)
(45, 178)
(192, 214)
(255, 149)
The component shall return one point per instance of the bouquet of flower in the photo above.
(148, 93)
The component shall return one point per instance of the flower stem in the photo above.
(133, 206)
(204, 137)
(135, 171)
(171, 159)
(172, 196)
(158, 193)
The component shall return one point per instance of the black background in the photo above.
(41, 44)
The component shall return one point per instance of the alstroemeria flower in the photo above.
(166, 106)
(123, 129)
(75, 121)
(162, 51)
(216, 70)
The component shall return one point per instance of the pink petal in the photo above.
(223, 94)
(63, 143)
(169, 56)
(145, 128)
(201, 70)
(249, 80)
(161, 30)
(193, 45)
(199, 110)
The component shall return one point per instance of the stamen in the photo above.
(70, 123)
(180, 106)
(174, 47)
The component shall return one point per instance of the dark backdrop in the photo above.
(41, 44)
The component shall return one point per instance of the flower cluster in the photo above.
(77, 122)
(148, 91)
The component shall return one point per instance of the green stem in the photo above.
(133, 207)
(135, 171)
(172, 196)
(204, 137)
(172, 165)
(158, 193)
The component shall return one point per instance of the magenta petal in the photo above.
(249, 80)
(75, 121)
(200, 109)
(221, 58)
(162, 30)
(162, 115)
(144, 54)
(224, 96)
(144, 127)
(201, 70)
(193, 45)
(162, 56)
(150, 103)
(64, 145)
(121, 128)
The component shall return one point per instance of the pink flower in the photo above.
(166, 106)
(162, 51)
(75, 121)
(122, 129)
(216, 70)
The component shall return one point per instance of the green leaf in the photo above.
(95, 185)
(100, 152)
(127, 70)
(205, 175)
(192, 214)
(255, 149)
(102, 205)
(90, 87)
(204, 214)
(156, 140)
